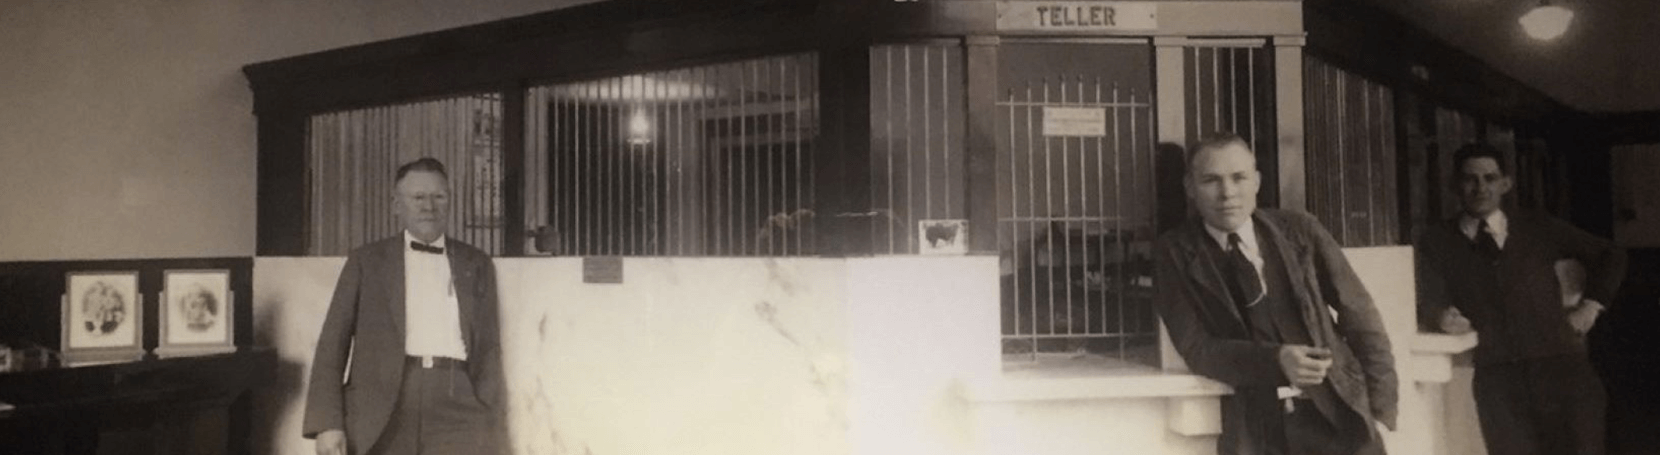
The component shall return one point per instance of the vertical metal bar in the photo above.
(639, 171)
(616, 231)
(927, 139)
(1101, 207)
(684, 149)
(1118, 218)
(314, 124)
(1215, 85)
(1049, 208)
(1251, 114)
(800, 186)
(1014, 212)
(740, 204)
(1233, 92)
(945, 125)
(887, 111)
(724, 179)
(910, 162)
(1199, 95)
(751, 113)
(1066, 211)
(1340, 190)
(656, 225)
(588, 169)
(1031, 194)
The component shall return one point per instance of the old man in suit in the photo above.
(1249, 295)
(409, 358)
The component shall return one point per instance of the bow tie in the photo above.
(425, 248)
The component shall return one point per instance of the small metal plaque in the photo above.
(602, 270)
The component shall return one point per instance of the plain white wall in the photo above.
(127, 128)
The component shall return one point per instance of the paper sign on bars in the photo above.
(1075, 121)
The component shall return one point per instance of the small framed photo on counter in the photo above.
(103, 318)
(196, 314)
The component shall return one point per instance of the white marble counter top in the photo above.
(1441, 343)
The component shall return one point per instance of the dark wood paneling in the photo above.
(281, 215)
(841, 178)
(513, 170)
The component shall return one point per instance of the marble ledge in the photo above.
(1441, 343)
(1432, 355)
(1086, 379)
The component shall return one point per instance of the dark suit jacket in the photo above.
(1516, 302)
(366, 322)
(1208, 331)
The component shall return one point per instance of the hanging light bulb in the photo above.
(1546, 21)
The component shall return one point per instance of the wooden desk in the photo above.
(170, 406)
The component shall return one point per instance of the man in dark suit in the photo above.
(1248, 297)
(1534, 387)
(409, 357)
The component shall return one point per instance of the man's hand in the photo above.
(331, 442)
(1454, 322)
(1584, 316)
(1304, 365)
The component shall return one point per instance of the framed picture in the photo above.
(103, 318)
(942, 236)
(196, 313)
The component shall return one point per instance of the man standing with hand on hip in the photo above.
(1247, 296)
(409, 357)
(1494, 272)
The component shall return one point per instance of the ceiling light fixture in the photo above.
(1546, 21)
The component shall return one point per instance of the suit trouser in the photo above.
(438, 414)
(1542, 406)
(1307, 431)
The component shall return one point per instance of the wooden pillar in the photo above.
(981, 179)
(1288, 112)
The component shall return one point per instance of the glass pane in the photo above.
(711, 160)
(354, 156)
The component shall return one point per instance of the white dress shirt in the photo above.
(1498, 225)
(432, 314)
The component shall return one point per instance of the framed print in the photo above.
(196, 313)
(103, 318)
(942, 236)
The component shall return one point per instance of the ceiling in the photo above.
(1609, 60)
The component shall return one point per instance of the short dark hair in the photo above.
(1215, 140)
(1475, 150)
(425, 164)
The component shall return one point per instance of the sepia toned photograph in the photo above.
(835, 227)
(102, 310)
(197, 309)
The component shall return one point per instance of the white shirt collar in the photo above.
(408, 237)
(1497, 224)
(1247, 236)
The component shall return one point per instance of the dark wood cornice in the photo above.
(588, 40)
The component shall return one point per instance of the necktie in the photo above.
(425, 248)
(1245, 281)
(1485, 243)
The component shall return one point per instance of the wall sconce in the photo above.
(1546, 21)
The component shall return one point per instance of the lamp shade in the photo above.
(1547, 22)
